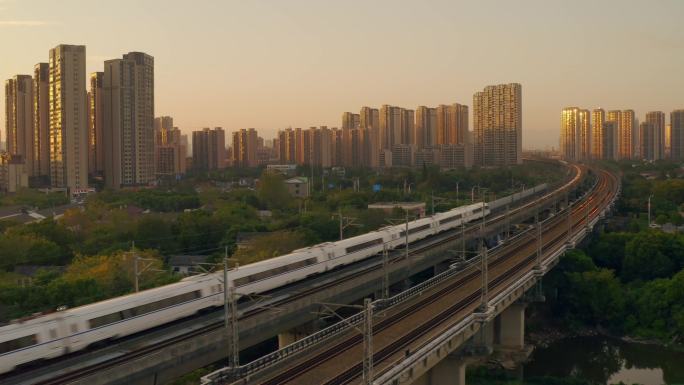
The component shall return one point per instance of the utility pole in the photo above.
(539, 239)
(406, 240)
(235, 340)
(137, 270)
(367, 342)
(135, 266)
(344, 222)
(341, 224)
(484, 305)
(649, 210)
(508, 222)
(484, 219)
(432, 194)
(230, 316)
(568, 216)
(385, 272)
(457, 193)
(226, 305)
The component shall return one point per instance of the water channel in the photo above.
(607, 361)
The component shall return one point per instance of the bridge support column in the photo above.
(297, 334)
(450, 371)
(512, 327)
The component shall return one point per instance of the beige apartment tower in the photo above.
(497, 116)
(452, 123)
(68, 124)
(41, 121)
(209, 149)
(677, 135)
(19, 120)
(129, 120)
(598, 117)
(95, 124)
(570, 134)
(245, 148)
(657, 120)
(390, 126)
(627, 142)
(370, 125)
(426, 127)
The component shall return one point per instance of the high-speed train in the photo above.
(61, 332)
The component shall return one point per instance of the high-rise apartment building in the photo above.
(668, 140)
(598, 118)
(408, 120)
(390, 126)
(657, 119)
(170, 151)
(452, 123)
(286, 141)
(369, 123)
(626, 134)
(585, 134)
(677, 135)
(610, 140)
(245, 148)
(350, 120)
(41, 121)
(129, 120)
(170, 148)
(570, 134)
(425, 127)
(575, 138)
(162, 123)
(209, 149)
(68, 124)
(497, 113)
(19, 120)
(96, 124)
(647, 135)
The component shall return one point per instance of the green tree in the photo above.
(273, 193)
(652, 254)
(596, 297)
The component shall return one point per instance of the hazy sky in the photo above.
(300, 63)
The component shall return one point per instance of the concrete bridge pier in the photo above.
(511, 325)
(297, 333)
(449, 371)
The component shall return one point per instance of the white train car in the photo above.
(269, 274)
(29, 340)
(74, 329)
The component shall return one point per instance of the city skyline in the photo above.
(302, 78)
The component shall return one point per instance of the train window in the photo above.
(415, 230)
(53, 333)
(105, 319)
(275, 271)
(143, 309)
(451, 219)
(18, 343)
(364, 245)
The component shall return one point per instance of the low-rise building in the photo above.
(285, 169)
(298, 186)
(414, 208)
(13, 173)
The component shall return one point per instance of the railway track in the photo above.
(577, 174)
(526, 247)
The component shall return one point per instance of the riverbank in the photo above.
(545, 333)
